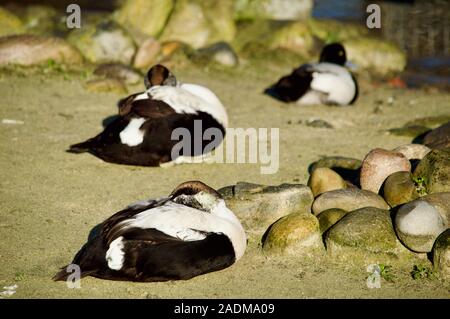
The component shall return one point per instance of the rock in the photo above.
(378, 165)
(381, 57)
(146, 16)
(366, 236)
(294, 36)
(399, 188)
(439, 138)
(334, 162)
(200, 23)
(323, 180)
(318, 123)
(409, 130)
(10, 24)
(258, 206)
(329, 217)
(220, 52)
(441, 255)
(413, 151)
(119, 71)
(332, 30)
(103, 42)
(147, 54)
(418, 224)
(348, 199)
(440, 201)
(43, 20)
(106, 85)
(296, 234)
(434, 171)
(272, 9)
(34, 50)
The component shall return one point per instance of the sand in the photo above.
(51, 199)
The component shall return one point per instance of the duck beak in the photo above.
(352, 66)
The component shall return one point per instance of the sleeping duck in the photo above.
(326, 82)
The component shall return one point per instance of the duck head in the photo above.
(159, 75)
(333, 53)
(197, 195)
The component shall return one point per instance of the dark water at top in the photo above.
(421, 28)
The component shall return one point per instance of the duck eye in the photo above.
(340, 53)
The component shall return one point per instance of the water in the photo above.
(421, 28)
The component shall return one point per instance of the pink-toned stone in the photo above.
(147, 53)
(413, 151)
(378, 165)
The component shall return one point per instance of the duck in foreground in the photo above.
(142, 133)
(326, 82)
(189, 233)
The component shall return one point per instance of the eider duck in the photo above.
(189, 233)
(142, 133)
(326, 82)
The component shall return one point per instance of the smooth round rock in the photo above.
(434, 171)
(106, 85)
(323, 180)
(399, 188)
(147, 53)
(104, 42)
(378, 165)
(34, 50)
(440, 201)
(221, 53)
(297, 234)
(119, 71)
(441, 255)
(259, 206)
(418, 224)
(413, 151)
(146, 16)
(365, 235)
(330, 217)
(439, 138)
(348, 199)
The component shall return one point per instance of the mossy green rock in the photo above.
(104, 42)
(439, 138)
(441, 255)
(377, 55)
(258, 206)
(34, 50)
(294, 36)
(333, 31)
(399, 188)
(200, 23)
(409, 130)
(330, 217)
(297, 234)
(348, 199)
(434, 171)
(148, 17)
(10, 24)
(366, 236)
(44, 20)
(272, 9)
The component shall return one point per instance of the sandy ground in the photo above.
(50, 199)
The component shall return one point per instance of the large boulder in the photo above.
(148, 17)
(378, 165)
(348, 199)
(200, 23)
(297, 234)
(33, 50)
(272, 9)
(379, 56)
(418, 224)
(366, 236)
(439, 138)
(323, 180)
(434, 171)
(10, 24)
(258, 206)
(399, 188)
(441, 255)
(104, 42)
